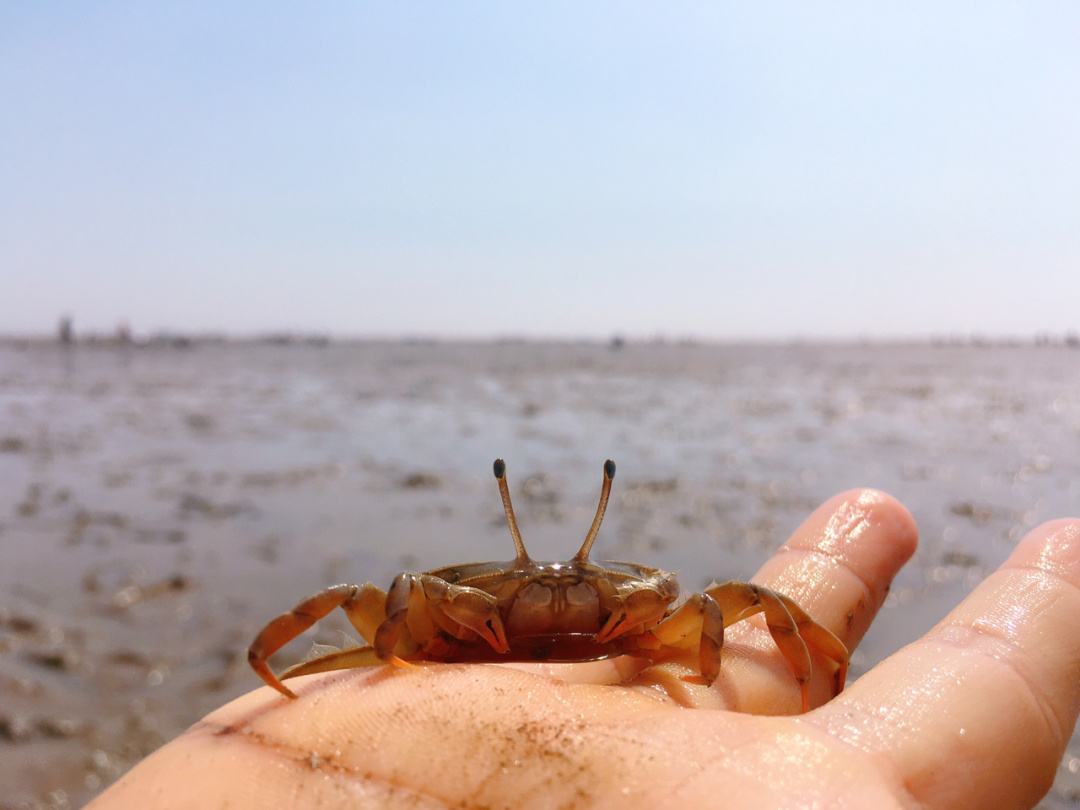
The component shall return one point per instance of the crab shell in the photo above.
(548, 611)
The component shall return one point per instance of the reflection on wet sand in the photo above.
(159, 504)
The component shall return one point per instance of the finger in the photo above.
(839, 563)
(977, 712)
(837, 566)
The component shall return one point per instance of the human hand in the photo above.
(974, 714)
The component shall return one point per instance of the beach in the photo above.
(159, 504)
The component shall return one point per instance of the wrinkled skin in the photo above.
(975, 714)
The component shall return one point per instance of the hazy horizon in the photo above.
(1070, 337)
(722, 172)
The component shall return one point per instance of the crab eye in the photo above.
(500, 468)
(609, 468)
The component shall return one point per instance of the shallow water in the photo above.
(157, 506)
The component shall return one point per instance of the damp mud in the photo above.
(159, 504)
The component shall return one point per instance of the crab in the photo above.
(526, 610)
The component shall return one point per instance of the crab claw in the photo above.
(477, 611)
(495, 635)
(640, 607)
(615, 626)
(491, 630)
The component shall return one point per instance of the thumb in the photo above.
(977, 713)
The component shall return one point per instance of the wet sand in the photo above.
(158, 505)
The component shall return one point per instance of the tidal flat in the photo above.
(159, 504)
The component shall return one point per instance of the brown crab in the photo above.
(524, 610)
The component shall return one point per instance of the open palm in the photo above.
(975, 714)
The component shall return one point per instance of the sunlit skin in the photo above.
(975, 714)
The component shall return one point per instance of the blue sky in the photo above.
(750, 170)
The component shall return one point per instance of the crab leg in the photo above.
(741, 600)
(363, 605)
(820, 639)
(698, 621)
(406, 615)
(343, 659)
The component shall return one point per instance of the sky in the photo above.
(717, 170)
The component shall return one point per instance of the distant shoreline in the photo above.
(178, 340)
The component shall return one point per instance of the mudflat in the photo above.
(159, 504)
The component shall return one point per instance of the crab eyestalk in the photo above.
(511, 521)
(605, 493)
